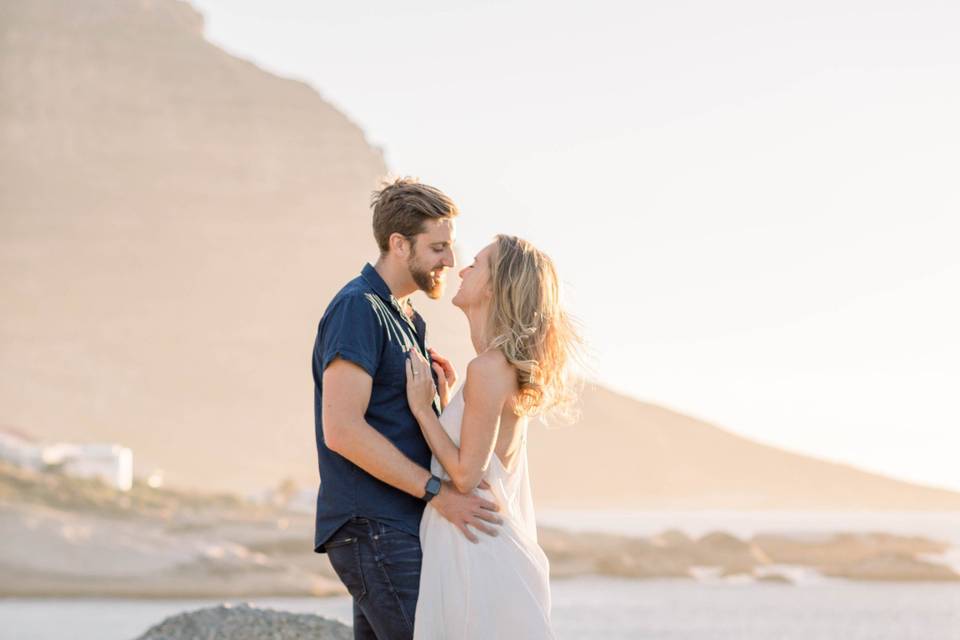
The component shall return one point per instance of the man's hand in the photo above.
(446, 376)
(464, 509)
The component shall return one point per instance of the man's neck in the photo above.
(397, 282)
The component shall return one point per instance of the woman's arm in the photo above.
(488, 384)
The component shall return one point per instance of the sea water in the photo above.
(590, 608)
(605, 608)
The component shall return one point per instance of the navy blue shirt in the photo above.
(366, 325)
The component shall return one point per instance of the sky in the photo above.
(754, 206)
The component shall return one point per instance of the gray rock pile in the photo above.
(855, 556)
(243, 622)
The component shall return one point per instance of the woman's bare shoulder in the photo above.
(492, 368)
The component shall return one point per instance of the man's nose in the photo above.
(449, 259)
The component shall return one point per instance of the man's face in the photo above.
(431, 256)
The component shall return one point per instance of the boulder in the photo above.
(733, 554)
(842, 548)
(895, 567)
(243, 622)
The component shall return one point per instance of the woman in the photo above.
(499, 586)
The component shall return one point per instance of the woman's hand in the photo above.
(446, 376)
(420, 387)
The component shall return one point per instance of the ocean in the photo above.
(591, 608)
(588, 608)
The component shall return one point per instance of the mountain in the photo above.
(629, 453)
(173, 221)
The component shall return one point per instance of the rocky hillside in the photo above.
(172, 222)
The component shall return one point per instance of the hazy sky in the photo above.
(756, 206)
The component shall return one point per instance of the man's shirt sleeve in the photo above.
(353, 330)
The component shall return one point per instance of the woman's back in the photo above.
(498, 587)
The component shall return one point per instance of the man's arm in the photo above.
(346, 394)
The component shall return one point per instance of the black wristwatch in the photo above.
(432, 488)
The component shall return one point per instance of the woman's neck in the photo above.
(476, 319)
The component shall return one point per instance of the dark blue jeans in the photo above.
(380, 567)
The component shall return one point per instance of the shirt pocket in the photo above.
(392, 371)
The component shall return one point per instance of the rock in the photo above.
(774, 578)
(841, 548)
(892, 566)
(47, 552)
(642, 565)
(731, 553)
(732, 571)
(573, 554)
(244, 622)
(671, 538)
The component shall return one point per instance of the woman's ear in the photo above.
(488, 289)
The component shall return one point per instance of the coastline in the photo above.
(64, 538)
(55, 553)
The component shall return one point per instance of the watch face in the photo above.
(433, 485)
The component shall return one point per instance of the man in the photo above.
(374, 461)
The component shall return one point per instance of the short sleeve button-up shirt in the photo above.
(366, 325)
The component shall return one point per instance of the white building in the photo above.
(111, 463)
(20, 449)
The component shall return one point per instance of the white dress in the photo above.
(499, 588)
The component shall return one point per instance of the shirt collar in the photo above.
(380, 287)
(377, 283)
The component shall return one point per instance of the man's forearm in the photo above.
(367, 448)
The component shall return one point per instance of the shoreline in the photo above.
(64, 538)
(287, 570)
(265, 599)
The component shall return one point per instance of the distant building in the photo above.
(20, 449)
(111, 463)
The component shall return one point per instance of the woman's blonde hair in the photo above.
(529, 326)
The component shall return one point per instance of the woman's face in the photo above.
(475, 288)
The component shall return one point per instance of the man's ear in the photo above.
(399, 244)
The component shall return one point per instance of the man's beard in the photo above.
(425, 281)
